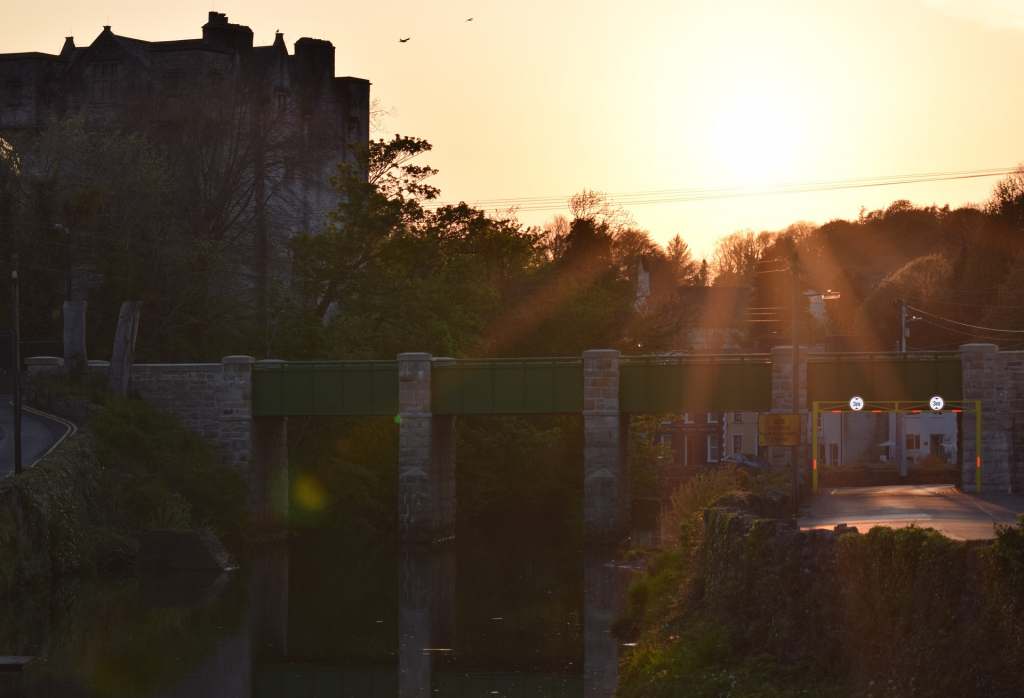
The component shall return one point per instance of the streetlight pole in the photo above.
(16, 368)
(898, 430)
(798, 295)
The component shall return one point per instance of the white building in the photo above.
(847, 438)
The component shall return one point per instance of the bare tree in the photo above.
(736, 256)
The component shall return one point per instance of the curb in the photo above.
(70, 429)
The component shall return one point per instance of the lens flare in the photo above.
(309, 494)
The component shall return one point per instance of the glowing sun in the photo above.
(757, 135)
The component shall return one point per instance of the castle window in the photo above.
(282, 101)
(353, 129)
(105, 81)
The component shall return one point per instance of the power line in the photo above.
(965, 324)
(639, 198)
(923, 176)
(973, 335)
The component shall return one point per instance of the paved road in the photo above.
(38, 434)
(956, 514)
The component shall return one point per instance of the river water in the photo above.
(324, 616)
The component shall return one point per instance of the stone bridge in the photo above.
(243, 406)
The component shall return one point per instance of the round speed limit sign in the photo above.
(936, 403)
(856, 403)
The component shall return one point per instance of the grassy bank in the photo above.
(82, 508)
(741, 605)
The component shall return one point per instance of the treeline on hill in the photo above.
(960, 265)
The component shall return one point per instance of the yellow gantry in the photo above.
(898, 406)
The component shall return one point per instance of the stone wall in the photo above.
(213, 400)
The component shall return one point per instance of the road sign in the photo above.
(936, 403)
(778, 430)
(856, 403)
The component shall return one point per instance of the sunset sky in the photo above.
(544, 98)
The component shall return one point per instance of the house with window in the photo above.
(739, 433)
(695, 439)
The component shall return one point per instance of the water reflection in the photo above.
(602, 603)
(426, 616)
(365, 621)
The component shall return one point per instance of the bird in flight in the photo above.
(470, 19)
(402, 41)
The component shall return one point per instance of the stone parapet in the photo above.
(44, 364)
(212, 399)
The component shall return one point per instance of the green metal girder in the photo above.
(321, 388)
(695, 384)
(891, 376)
(507, 386)
(656, 384)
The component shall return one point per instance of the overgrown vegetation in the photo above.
(159, 474)
(743, 606)
(82, 508)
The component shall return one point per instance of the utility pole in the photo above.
(903, 326)
(795, 334)
(16, 368)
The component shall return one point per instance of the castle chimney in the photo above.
(279, 42)
(220, 33)
(69, 46)
(314, 59)
(106, 28)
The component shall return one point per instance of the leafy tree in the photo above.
(924, 280)
(390, 268)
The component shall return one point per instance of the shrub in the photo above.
(681, 524)
(162, 475)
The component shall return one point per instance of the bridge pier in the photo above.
(997, 379)
(268, 474)
(783, 400)
(605, 435)
(426, 615)
(426, 456)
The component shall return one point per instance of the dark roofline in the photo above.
(27, 55)
(121, 37)
(184, 45)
